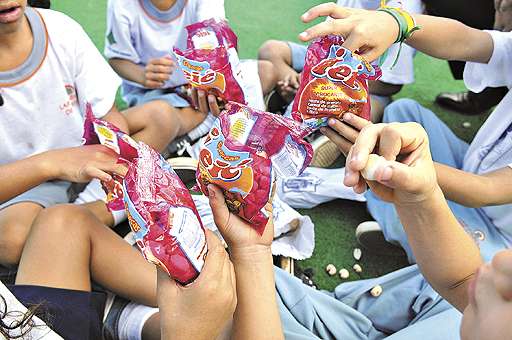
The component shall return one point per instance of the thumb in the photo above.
(220, 210)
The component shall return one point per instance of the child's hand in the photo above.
(408, 176)
(288, 87)
(238, 234)
(83, 163)
(205, 102)
(344, 132)
(202, 309)
(157, 72)
(369, 32)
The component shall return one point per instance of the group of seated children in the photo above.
(446, 203)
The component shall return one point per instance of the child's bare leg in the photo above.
(67, 242)
(15, 223)
(280, 55)
(268, 76)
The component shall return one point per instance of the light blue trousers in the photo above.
(448, 149)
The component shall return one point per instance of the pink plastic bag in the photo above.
(334, 81)
(161, 212)
(97, 131)
(211, 61)
(243, 151)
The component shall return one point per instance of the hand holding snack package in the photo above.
(242, 153)
(211, 60)
(334, 81)
(97, 131)
(161, 212)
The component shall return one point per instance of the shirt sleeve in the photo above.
(207, 9)
(95, 81)
(118, 39)
(498, 71)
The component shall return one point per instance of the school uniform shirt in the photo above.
(45, 97)
(138, 31)
(492, 147)
(403, 71)
(14, 311)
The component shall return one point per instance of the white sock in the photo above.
(132, 320)
(203, 128)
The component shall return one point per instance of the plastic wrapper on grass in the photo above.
(243, 152)
(211, 60)
(97, 131)
(163, 216)
(334, 81)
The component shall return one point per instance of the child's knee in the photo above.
(14, 235)
(402, 111)
(64, 221)
(273, 48)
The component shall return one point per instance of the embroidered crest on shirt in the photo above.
(67, 107)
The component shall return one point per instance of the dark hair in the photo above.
(39, 3)
(23, 325)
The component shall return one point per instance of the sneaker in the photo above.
(370, 236)
(325, 152)
(113, 309)
(185, 168)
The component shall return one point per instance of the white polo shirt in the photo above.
(45, 97)
(492, 147)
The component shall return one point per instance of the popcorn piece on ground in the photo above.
(357, 253)
(376, 291)
(357, 268)
(374, 162)
(331, 269)
(344, 274)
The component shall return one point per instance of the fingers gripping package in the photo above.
(97, 131)
(161, 212)
(211, 60)
(334, 81)
(242, 153)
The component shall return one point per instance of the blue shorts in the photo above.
(298, 55)
(46, 195)
(142, 96)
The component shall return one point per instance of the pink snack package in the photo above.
(334, 81)
(211, 60)
(242, 153)
(161, 212)
(97, 131)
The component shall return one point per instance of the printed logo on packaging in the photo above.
(200, 74)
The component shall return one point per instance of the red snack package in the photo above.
(211, 61)
(240, 154)
(97, 131)
(334, 81)
(161, 212)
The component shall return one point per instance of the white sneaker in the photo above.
(369, 235)
(325, 152)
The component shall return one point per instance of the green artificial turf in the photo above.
(258, 21)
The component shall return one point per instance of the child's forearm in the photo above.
(451, 40)
(445, 253)
(21, 176)
(128, 70)
(470, 190)
(256, 315)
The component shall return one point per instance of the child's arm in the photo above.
(374, 32)
(257, 315)
(152, 76)
(445, 253)
(475, 191)
(80, 164)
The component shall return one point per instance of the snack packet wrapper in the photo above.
(243, 152)
(163, 216)
(211, 60)
(334, 81)
(97, 131)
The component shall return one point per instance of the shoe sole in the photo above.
(325, 152)
(185, 168)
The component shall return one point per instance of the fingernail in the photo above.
(387, 173)
(331, 122)
(347, 172)
(347, 116)
(355, 158)
(304, 35)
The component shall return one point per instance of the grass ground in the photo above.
(257, 21)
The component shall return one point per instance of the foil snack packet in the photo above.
(334, 81)
(243, 153)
